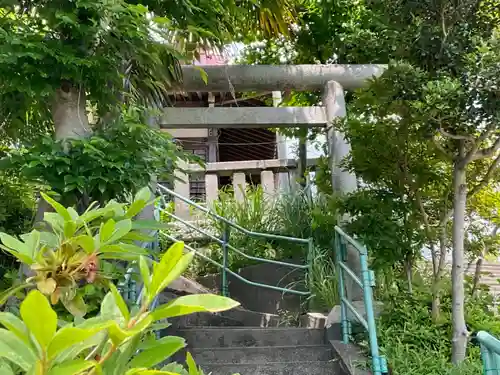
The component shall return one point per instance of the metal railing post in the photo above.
(344, 323)
(224, 245)
(378, 366)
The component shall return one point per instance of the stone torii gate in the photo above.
(332, 80)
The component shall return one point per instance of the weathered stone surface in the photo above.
(349, 359)
(334, 317)
(313, 320)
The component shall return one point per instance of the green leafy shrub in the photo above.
(114, 163)
(72, 250)
(414, 344)
(118, 341)
(17, 199)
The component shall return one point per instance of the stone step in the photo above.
(253, 355)
(276, 368)
(208, 337)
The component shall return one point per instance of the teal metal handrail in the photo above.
(490, 353)
(367, 281)
(226, 246)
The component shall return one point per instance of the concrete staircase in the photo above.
(259, 351)
(246, 342)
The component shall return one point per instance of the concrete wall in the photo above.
(260, 299)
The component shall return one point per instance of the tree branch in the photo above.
(472, 153)
(487, 152)
(444, 133)
(441, 149)
(486, 178)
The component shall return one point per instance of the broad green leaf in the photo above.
(193, 369)
(120, 302)
(143, 195)
(148, 224)
(138, 236)
(131, 248)
(14, 244)
(163, 349)
(5, 368)
(49, 239)
(37, 368)
(69, 228)
(93, 341)
(119, 256)
(109, 308)
(144, 371)
(124, 248)
(121, 229)
(77, 306)
(74, 215)
(16, 350)
(86, 242)
(170, 274)
(69, 336)
(93, 214)
(39, 317)
(146, 276)
(14, 325)
(27, 259)
(118, 334)
(107, 230)
(135, 208)
(55, 220)
(163, 269)
(175, 368)
(192, 304)
(4, 296)
(32, 241)
(117, 364)
(74, 367)
(60, 209)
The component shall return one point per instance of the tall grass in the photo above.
(323, 282)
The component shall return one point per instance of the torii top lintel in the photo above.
(244, 78)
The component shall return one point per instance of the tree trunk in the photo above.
(69, 112)
(460, 334)
(439, 266)
(409, 273)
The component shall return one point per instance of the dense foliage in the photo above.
(117, 341)
(73, 250)
(114, 163)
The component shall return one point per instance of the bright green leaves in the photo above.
(69, 336)
(170, 267)
(71, 249)
(39, 318)
(192, 304)
(141, 200)
(119, 301)
(15, 350)
(24, 251)
(123, 338)
(157, 353)
(72, 367)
